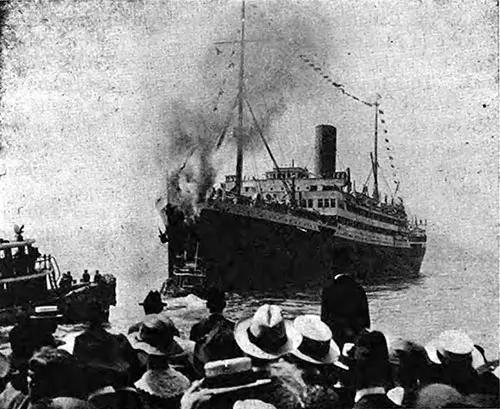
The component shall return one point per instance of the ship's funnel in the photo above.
(326, 151)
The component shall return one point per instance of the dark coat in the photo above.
(202, 328)
(344, 308)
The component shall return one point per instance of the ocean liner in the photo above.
(293, 228)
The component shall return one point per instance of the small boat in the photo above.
(186, 277)
(29, 279)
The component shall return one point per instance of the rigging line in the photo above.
(368, 178)
(187, 159)
(386, 183)
(287, 188)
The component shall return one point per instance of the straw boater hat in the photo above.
(454, 344)
(156, 336)
(317, 345)
(230, 375)
(46, 312)
(252, 404)
(266, 335)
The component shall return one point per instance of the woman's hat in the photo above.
(230, 375)
(317, 345)
(156, 336)
(266, 335)
(454, 345)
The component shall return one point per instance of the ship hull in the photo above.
(243, 253)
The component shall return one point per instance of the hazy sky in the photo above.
(87, 113)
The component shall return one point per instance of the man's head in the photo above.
(52, 373)
(371, 361)
(216, 300)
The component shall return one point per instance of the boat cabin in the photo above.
(23, 272)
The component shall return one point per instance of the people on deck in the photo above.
(86, 276)
(66, 281)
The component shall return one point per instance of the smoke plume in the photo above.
(276, 33)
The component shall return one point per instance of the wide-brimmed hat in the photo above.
(230, 375)
(153, 298)
(317, 345)
(267, 335)
(102, 350)
(252, 404)
(454, 345)
(156, 336)
(45, 312)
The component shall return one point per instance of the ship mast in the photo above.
(375, 155)
(239, 133)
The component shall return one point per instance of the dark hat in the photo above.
(215, 295)
(371, 346)
(153, 298)
(101, 350)
(371, 359)
(317, 345)
(230, 375)
(155, 336)
(267, 335)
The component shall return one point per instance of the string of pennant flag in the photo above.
(389, 148)
(325, 77)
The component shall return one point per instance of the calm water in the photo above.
(455, 291)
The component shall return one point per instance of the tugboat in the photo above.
(29, 279)
(185, 277)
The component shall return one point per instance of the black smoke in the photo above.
(277, 32)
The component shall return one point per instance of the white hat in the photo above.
(453, 343)
(230, 375)
(266, 335)
(317, 345)
(252, 404)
